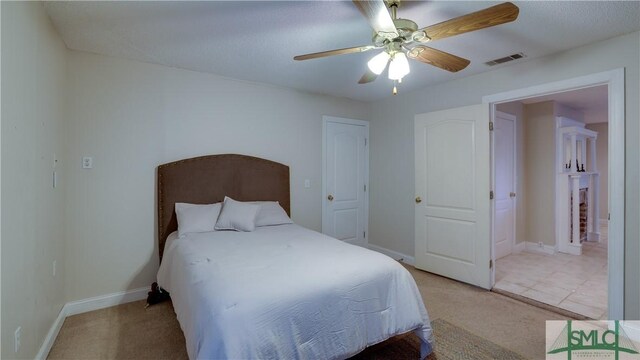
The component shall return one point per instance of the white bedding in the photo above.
(286, 292)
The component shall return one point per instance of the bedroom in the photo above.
(131, 116)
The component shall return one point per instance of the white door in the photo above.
(452, 206)
(504, 165)
(345, 175)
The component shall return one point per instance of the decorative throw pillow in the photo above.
(271, 213)
(194, 218)
(237, 215)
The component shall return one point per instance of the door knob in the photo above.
(330, 197)
(512, 194)
(418, 200)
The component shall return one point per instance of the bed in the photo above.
(278, 292)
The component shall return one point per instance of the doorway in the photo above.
(466, 252)
(614, 80)
(540, 267)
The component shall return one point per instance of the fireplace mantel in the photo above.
(577, 169)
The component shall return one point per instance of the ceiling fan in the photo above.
(401, 38)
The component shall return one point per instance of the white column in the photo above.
(592, 156)
(574, 153)
(591, 193)
(566, 143)
(583, 154)
(594, 194)
(595, 205)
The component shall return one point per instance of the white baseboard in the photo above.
(86, 305)
(394, 254)
(593, 236)
(105, 301)
(546, 249)
(519, 247)
(51, 336)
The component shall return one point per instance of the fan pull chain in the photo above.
(395, 87)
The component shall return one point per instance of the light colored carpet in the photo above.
(452, 343)
(463, 317)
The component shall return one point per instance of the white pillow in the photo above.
(193, 218)
(236, 215)
(271, 213)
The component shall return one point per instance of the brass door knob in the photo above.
(512, 194)
(330, 197)
(418, 200)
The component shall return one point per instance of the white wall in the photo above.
(392, 148)
(33, 94)
(131, 117)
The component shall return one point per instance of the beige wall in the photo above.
(602, 161)
(539, 172)
(131, 117)
(33, 129)
(516, 109)
(532, 182)
(392, 149)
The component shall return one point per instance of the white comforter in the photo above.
(286, 292)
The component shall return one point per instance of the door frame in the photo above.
(325, 120)
(614, 79)
(492, 174)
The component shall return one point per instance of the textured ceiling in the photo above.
(256, 41)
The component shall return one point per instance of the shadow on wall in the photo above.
(140, 332)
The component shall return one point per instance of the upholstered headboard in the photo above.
(208, 179)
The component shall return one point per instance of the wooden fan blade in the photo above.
(350, 50)
(378, 16)
(368, 77)
(495, 15)
(438, 58)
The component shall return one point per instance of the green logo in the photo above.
(571, 340)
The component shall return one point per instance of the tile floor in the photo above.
(570, 282)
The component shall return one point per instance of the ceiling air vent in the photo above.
(506, 59)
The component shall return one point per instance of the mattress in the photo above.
(286, 292)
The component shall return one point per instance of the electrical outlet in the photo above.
(307, 183)
(87, 162)
(17, 334)
(55, 263)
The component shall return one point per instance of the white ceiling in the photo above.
(256, 40)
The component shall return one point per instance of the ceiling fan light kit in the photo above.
(401, 38)
(399, 66)
(378, 63)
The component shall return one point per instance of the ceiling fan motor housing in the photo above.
(407, 31)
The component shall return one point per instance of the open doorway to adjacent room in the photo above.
(551, 166)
